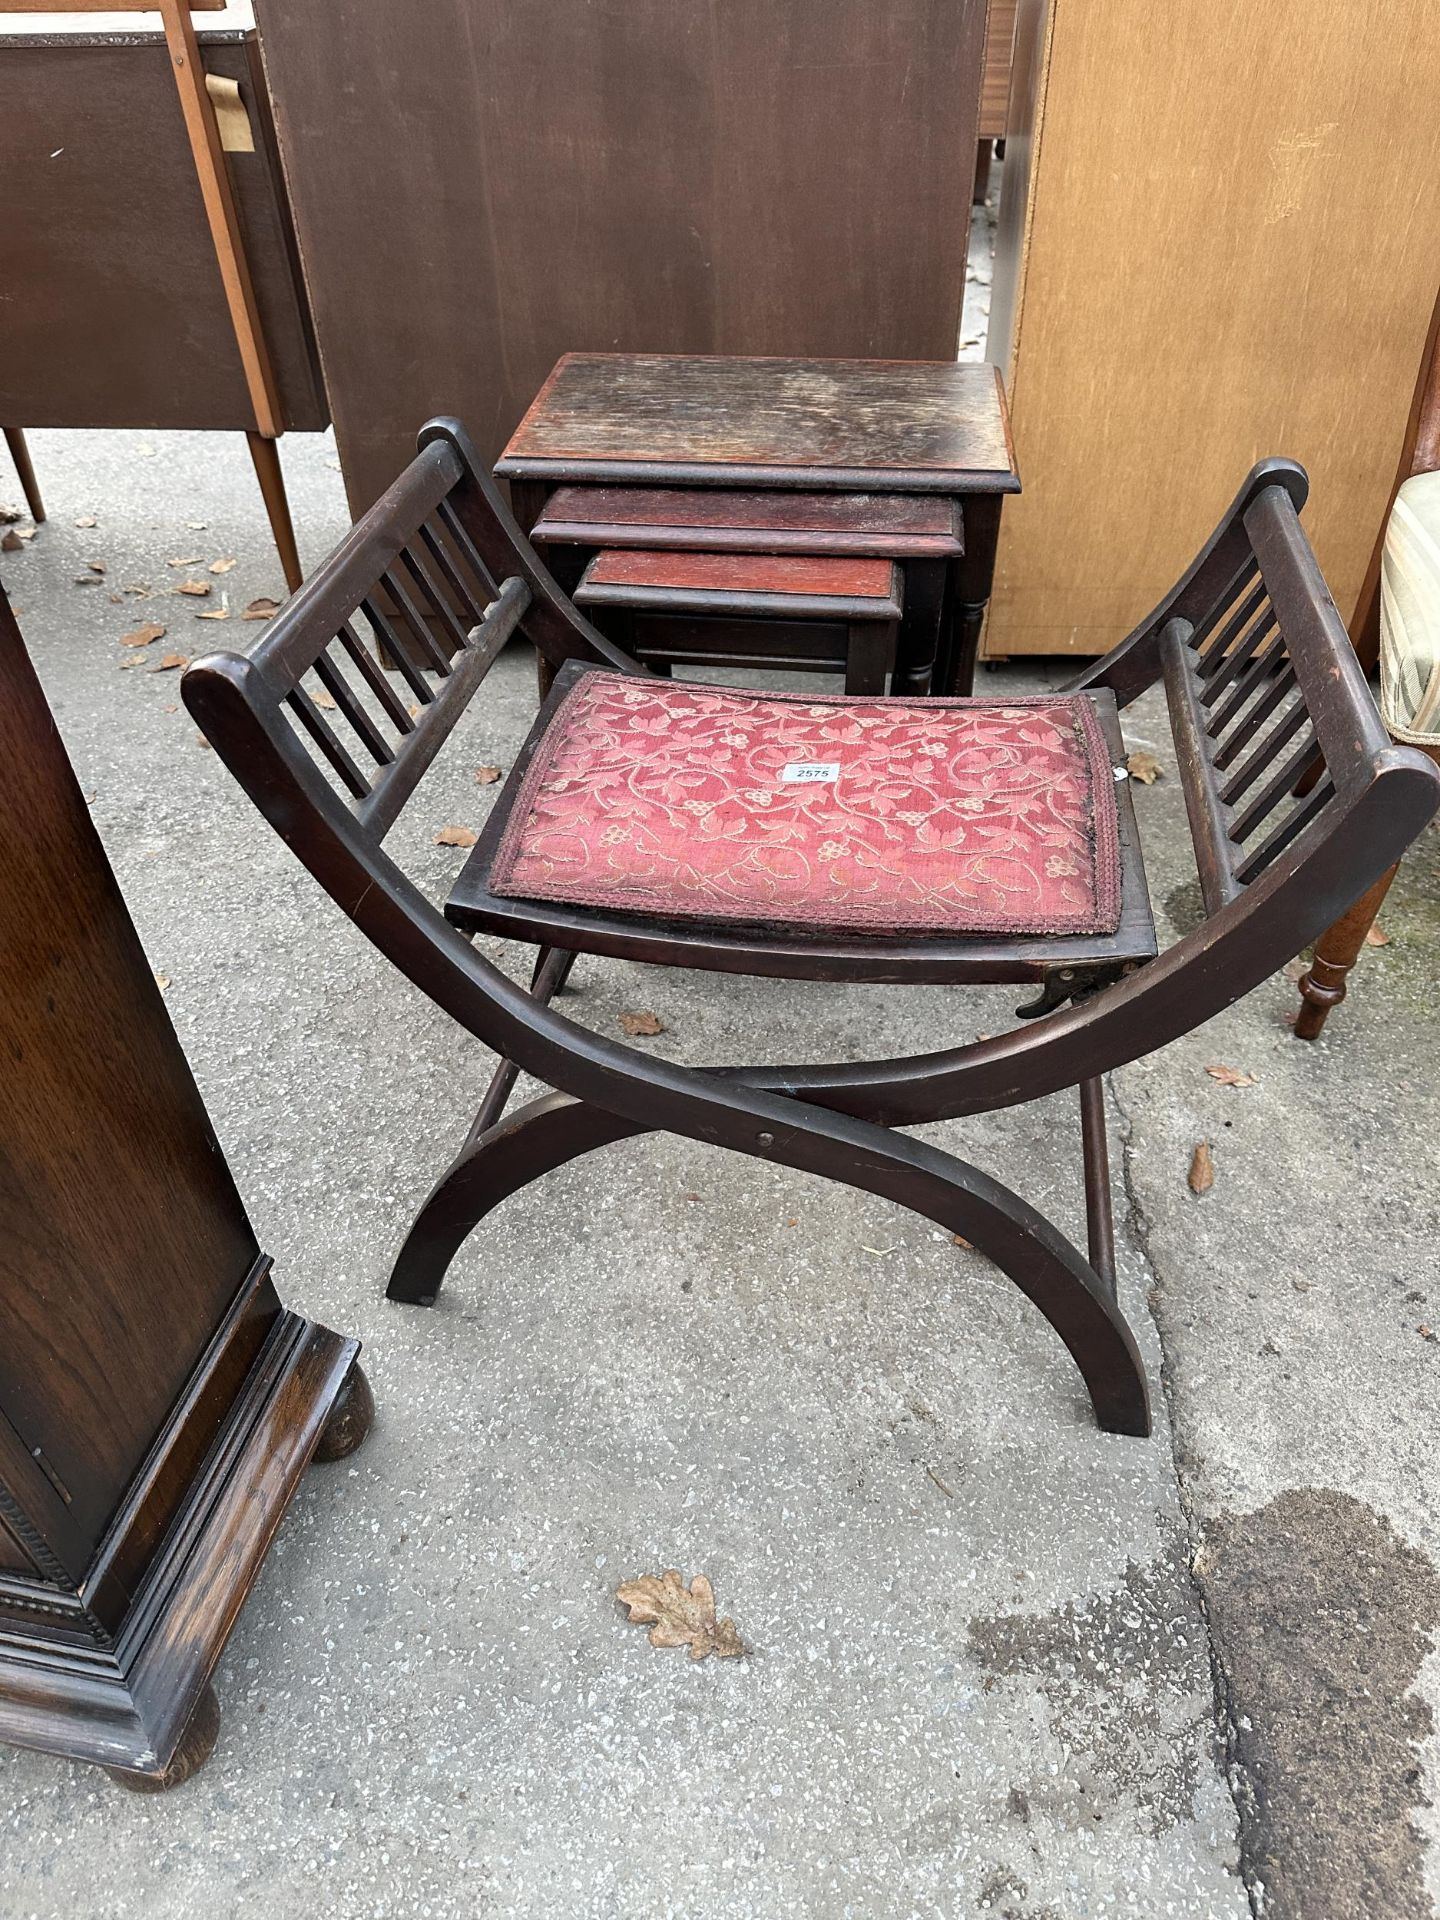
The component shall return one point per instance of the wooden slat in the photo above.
(720, 519)
(381, 807)
(364, 662)
(1244, 777)
(1268, 660)
(324, 736)
(1228, 750)
(398, 590)
(1290, 828)
(1237, 657)
(399, 647)
(1218, 643)
(346, 702)
(1209, 821)
(422, 568)
(1283, 781)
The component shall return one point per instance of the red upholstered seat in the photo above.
(927, 816)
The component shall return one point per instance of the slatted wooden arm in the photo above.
(1293, 815)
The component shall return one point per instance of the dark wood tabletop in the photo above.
(919, 426)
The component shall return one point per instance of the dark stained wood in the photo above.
(897, 526)
(1324, 983)
(157, 1403)
(723, 420)
(790, 575)
(497, 184)
(838, 1118)
(115, 313)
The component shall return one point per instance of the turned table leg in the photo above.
(1336, 951)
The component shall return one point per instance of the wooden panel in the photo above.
(122, 1238)
(114, 313)
(1221, 264)
(745, 573)
(617, 415)
(995, 81)
(712, 518)
(482, 186)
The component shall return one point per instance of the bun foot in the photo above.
(197, 1743)
(350, 1418)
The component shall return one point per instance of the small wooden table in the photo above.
(699, 420)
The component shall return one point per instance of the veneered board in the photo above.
(113, 312)
(1232, 250)
(481, 186)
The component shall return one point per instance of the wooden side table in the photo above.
(158, 1405)
(865, 426)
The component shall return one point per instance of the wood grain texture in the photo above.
(710, 519)
(114, 312)
(995, 80)
(122, 1238)
(800, 575)
(495, 184)
(857, 424)
(1259, 184)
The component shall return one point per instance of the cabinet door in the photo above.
(122, 1237)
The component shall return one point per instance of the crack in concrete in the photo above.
(1239, 1785)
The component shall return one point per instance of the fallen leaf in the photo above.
(638, 1025)
(170, 662)
(487, 776)
(214, 613)
(221, 566)
(1377, 937)
(142, 636)
(261, 610)
(196, 526)
(960, 1241)
(1426, 1333)
(10, 541)
(96, 566)
(1202, 1169)
(25, 533)
(117, 599)
(1143, 767)
(326, 700)
(455, 837)
(162, 981)
(1232, 1077)
(201, 741)
(185, 560)
(8, 514)
(198, 588)
(170, 709)
(87, 580)
(949, 1492)
(683, 1617)
(87, 520)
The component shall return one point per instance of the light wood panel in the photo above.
(1229, 250)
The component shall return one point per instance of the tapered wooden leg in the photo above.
(869, 655)
(29, 485)
(1336, 952)
(266, 456)
(349, 1419)
(1099, 1209)
(197, 1743)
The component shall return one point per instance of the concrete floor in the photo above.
(1002, 1664)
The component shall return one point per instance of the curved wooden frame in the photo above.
(1249, 616)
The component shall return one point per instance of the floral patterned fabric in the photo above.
(927, 816)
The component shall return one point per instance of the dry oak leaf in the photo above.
(198, 589)
(185, 560)
(220, 566)
(1202, 1169)
(641, 1025)
(455, 837)
(162, 981)
(326, 700)
(261, 610)
(1232, 1077)
(87, 520)
(170, 662)
(10, 541)
(683, 1617)
(487, 776)
(1377, 937)
(1143, 767)
(142, 636)
(214, 613)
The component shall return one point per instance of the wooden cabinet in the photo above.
(1219, 238)
(157, 1403)
(482, 186)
